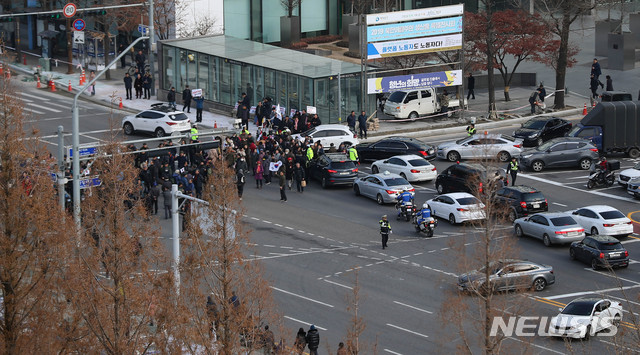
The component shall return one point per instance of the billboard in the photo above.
(414, 46)
(414, 15)
(414, 81)
(414, 29)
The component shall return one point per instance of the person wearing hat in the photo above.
(385, 230)
(194, 133)
(313, 340)
(471, 130)
(513, 170)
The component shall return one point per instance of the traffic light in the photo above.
(55, 16)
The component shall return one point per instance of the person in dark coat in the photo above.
(155, 195)
(283, 186)
(171, 97)
(140, 59)
(595, 69)
(351, 121)
(471, 85)
(244, 106)
(362, 125)
(186, 99)
(123, 59)
(199, 107)
(532, 100)
(299, 176)
(593, 85)
(543, 92)
(167, 203)
(301, 342)
(609, 83)
(313, 340)
(146, 85)
(128, 84)
(137, 84)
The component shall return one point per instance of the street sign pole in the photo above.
(61, 180)
(75, 128)
(152, 39)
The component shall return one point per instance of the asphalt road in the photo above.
(312, 245)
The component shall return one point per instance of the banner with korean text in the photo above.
(414, 46)
(414, 82)
(414, 29)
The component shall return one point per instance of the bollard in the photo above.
(215, 124)
(39, 85)
(120, 105)
(53, 86)
(1, 69)
(24, 59)
(70, 88)
(584, 110)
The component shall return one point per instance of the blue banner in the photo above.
(414, 29)
(414, 82)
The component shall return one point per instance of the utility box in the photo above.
(346, 21)
(621, 51)
(634, 27)
(603, 28)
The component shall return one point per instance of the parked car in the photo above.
(552, 228)
(560, 152)
(521, 201)
(467, 177)
(160, 120)
(600, 251)
(633, 187)
(481, 146)
(333, 169)
(627, 174)
(411, 167)
(508, 275)
(605, 220)
(384, 188)
(457, 207)
(585, 317)
(608, 96)
(330, 133)
(542, 128)
(392, 146)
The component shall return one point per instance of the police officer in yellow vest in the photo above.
(471, 129)
(194, 133)
(385, 230)
(513, 170)
(353, 154)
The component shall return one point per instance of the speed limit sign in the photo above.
(69, 10)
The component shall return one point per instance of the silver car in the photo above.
(384, 188)
(551, 227)
(481, 146)
(508, 275)
(633, 187)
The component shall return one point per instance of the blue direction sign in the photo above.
(79, 25)
(91, 182)
(85, 151)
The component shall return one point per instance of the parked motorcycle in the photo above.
(427, 225)
(407, 210)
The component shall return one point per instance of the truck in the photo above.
(415, 103)
(614, 127)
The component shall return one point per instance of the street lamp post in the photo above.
(75, 129)
(152, 39)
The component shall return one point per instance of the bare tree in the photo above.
(357, 324)
(290, 6)
(218, 265)
(192, 25)
(34, 238)
(164, 18)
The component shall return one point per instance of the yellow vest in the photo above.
(194, 134)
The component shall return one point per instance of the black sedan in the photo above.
(542, 128)
(391, 146)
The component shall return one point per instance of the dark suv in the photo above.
(521, 201)
(333, 169)
(463, 177)
(600, 251)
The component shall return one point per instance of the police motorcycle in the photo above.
(406, 208)
(424, 222)
(602, 173)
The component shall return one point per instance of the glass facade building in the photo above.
(224, 67)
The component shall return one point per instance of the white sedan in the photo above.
(481, 146)
(629, 174)
(457, 207)
(411, 167)
(585, 317)
(603, 220)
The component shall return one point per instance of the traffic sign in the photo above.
(90, 182)
(69, 10)
(85, 151)
(78, 38)
(79, 25)
(143, 29)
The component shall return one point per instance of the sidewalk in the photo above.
(109, 92)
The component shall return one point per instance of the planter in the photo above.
(289, 30)
(603, 28)
(621, 51)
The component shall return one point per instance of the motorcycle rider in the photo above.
(403, 200)
(424, 213)
(600, 167)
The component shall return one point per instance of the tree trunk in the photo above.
(561, 70)
(107, 48)
(506, 94)
(490, 60)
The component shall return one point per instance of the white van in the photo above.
(412, 104)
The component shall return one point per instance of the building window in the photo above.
(213, 79)
(270, 84)
(306, 92)
(168, 79)
(225, 82)
(281, 86)
(294, 95)
(257, 78)
(203, 74)
(192, 70)
(182, 79)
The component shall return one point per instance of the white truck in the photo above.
(416, 103)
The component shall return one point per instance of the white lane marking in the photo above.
(392, 352)
(559, 204)
(618, 345)
(597, 193)
(630, 241)
(605, 273)
(303, 322)
(287, 227)
(269, 246)
(35, 97)
(35, 111)
(407, 330)
(301, 231)
(68, 107)
(277, 225)
(412, 307)
(25, 100)
(569, 295)
(268, 222)
(577, 177)
(300, 296)
(338, 284)
(49, 109)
